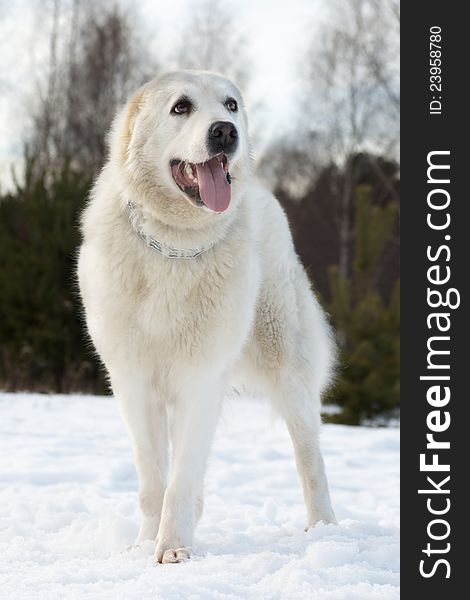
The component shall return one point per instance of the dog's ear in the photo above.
(133, 109)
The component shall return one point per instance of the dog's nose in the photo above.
(223, 137)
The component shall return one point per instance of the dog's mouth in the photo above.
(206, 184)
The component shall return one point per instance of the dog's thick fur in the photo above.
(175, 333)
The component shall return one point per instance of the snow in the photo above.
(68, 510)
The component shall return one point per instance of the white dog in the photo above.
(191, 283)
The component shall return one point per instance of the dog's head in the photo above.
(184, 146)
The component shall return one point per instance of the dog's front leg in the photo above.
(146, 421)
(192, 424)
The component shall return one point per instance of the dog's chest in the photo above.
(198, 307)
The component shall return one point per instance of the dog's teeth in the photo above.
(189, 170)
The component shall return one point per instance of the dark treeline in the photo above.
(361, 296)
(339, 186)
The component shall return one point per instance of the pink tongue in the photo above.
(213, 186)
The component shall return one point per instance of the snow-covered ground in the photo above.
(68, 510)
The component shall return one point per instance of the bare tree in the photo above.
(381, 53)
(211, 42)
(353, 80)
(104, 71)
(45, 121)
(353, 75)
(291, 163)
(95, 63)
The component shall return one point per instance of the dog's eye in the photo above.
(181, 107)
(232, 105)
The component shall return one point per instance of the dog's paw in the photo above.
(172, 555)
(327, 519)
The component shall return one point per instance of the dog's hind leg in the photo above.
(193, 421)
(147, 424)
(301, 411)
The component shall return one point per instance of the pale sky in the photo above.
(276, 33)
